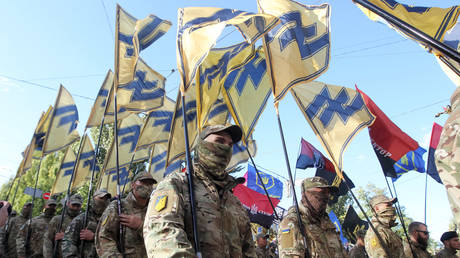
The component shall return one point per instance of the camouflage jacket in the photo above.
(447, 156)
(71, 241)
(8, 239)
(107, 232)
(265, 253)
(38, 228)
(392, 241)
(446, 253)
(48, 241)
(322, 237)
(419, 252)
(223, 224)
(358, 252)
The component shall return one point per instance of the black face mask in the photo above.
(144, 191)
(317, 201)
(49, 212)
(98, 206)
(73, 213)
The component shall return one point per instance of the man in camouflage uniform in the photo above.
(10, 231)
(451, 245)
(322, 237)
(419, 236)
(223, 225)
(53, 235)
(447, 156)
(383, 220)
(133, 211)
(76, 234)
(262, 249)
(34, 247)
(359, 251)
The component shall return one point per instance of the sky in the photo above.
(48, 43)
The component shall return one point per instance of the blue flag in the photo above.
(273, 185)
(337, 225)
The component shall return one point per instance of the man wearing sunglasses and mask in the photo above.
(133, 211)
(76, 234)
(322, 237)
(383, 220)
(223, 224)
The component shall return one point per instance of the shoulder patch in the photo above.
(160, 202)
(105, 220)
(374, 242)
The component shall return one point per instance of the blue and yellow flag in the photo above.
(240, 155)
(99, 106)
(199, 28)
(129, 130)
(64, 174)
(157, 167)
(86, 160)
(212, 72)
(297, 49)
(246, 91)
(335, 113)
(218, 114)
(158, 125)
(34, 149)
(176, 141)
(63, 125)
(145, 92)
(132, 36)
(108, 180)
(110, 111)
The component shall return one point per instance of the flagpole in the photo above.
(409, 29)
(190, 172)
(288, 166)
(401, 219)
(426, 188)
(9, 189)
(15, 192)
(263, 184)
(129, 167)
(379, 237)
(67, 195)
(33, 201)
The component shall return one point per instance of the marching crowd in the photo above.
(159, 222)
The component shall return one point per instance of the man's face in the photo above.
(422, 235)
(220, 137)
(382, 206)
(318, 197)
(26, 209)
(74, 207)
(453, 243)
(262, 242)
(142, 188)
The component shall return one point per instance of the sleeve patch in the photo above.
(163, 202)
(374, 242)
(286, 238)
(160, 202)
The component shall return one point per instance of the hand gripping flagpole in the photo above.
(263, 184)
(129, 166)
(33, 201)
(379, 237)
(288, 166)
(409, 29)
(190, 173)
(67, 195)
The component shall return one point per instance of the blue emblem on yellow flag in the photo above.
(218, 114)
(240, 155)
(128, 134)
(246, 91)
(157, 167)
(335, 113)
(99, 106)
(212, 72)
(132, 36)
(297, 49)
(65, 172)
(199, 28)
(63, 125)
(176, 142)
(108, 180)
(86, 160)
(145, 92)
(158, 125)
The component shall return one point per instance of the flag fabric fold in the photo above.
(99, 106)
(335, 113)
(85, 162)
(273, 185)
(63, 124)
(310, 157)
(334, 180)
(64, 174)
(431, 168)
(157, 167)
(297, 49)
(240, 155)
(352, 224)
(337, 225)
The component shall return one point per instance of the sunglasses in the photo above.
(424, 232)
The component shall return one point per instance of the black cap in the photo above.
(448, 235)
(233, 130)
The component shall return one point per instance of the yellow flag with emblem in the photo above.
(157, 167)
(211, 75)
(158, 125)
(63, 124)
(108, 180)
(128, 134)
(218, 114)
(99, 106)
(298, 49)
(34, 149)
(145, 92)
(176, 141)
(64, 174)
(199, 28)
(335, 113)
(246, 91)
(85, 162)
(240, 155)
(132, 36)
(110, 111)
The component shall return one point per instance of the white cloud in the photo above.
(7, 84)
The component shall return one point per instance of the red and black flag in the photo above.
(431, 165)
(310, 157)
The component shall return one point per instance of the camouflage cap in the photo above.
(317, 182)
(102, 193)
(233, 130)
(75, 199)
(380, 198)
(144, 176)
(51, 201)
